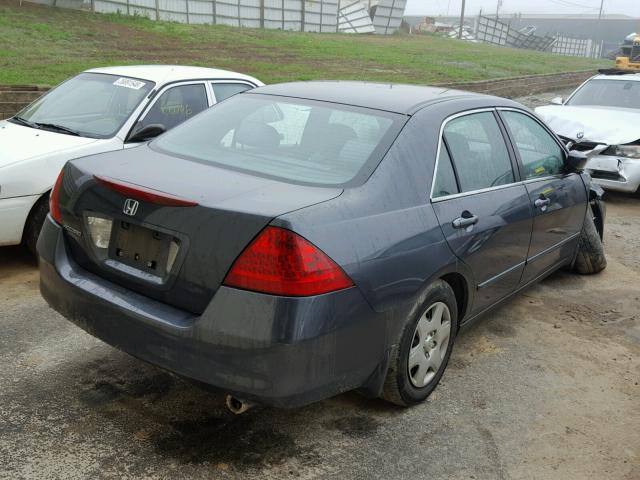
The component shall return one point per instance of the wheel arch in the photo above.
(460, 287)
(43, 197)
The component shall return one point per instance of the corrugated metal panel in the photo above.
(102, 6)
(388, 16)
(297, 15)
(354, 18)
(198, 7)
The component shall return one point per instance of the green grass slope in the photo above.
(43, 45)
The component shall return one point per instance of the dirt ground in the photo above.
(546, 387)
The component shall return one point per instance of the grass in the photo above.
(42, 45)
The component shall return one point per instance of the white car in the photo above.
(603, 116)
(99, 110)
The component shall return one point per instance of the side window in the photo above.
(445, 182)
(541, 155)
(176, 105)
(226, 90)
(479, 152)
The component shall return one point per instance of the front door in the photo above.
(558, 199)
(484, 213)
(174, 105)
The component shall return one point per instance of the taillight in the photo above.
(281, 262)
(54, 199)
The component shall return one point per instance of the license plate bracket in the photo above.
(142, 248)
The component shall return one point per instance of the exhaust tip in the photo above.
(236, 405)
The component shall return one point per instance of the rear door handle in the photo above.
(542, 203)
(466, 220)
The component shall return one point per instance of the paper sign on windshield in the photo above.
(129, 83)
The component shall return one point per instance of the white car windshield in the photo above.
(301, 141)
(89, 105)
(608, 93)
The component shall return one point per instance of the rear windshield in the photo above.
(299, 141)
(608, 93)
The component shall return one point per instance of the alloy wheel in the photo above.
(429, 345)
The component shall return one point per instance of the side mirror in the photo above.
(575, 162)
(557, 101)
(147, 133)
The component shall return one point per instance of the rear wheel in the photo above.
(34, 223)
(591, 258)
(418, 361)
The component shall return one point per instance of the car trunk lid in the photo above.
(174, 231)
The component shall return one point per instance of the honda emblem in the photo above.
(130, 207)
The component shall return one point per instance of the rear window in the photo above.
(299, 141)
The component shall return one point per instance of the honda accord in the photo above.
(301, 240)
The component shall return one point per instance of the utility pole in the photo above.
(598, 30)
(462, 19)
(499, 4)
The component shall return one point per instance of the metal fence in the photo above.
(297, 15)
(576, 47)
(492, 30)
(354, 18)
(388, 16)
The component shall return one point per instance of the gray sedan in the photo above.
(301, 240)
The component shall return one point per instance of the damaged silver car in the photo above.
(602, 119)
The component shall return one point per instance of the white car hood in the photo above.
(19, 143)
(613, 126)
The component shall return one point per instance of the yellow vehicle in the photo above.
(630, 58)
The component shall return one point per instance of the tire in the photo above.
(404, 384)
(590, 258)
(34, 224)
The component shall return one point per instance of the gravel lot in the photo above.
(546, 387)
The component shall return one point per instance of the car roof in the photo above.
(162, 74)
(635, 77)
(397, 98)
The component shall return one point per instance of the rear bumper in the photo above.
(13, 215)
(278, 351)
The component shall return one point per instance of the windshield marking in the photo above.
(129, 83)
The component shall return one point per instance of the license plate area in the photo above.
(143, 249)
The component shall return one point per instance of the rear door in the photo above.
(559, 200)
(483, 209)
(223, 89)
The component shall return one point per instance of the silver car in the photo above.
(603, 116)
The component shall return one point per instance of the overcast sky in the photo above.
(441, 7)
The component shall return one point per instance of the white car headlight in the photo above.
(626, 151)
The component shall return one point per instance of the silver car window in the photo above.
(540, 154)
(479, 152)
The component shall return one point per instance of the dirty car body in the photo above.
(163, 250)
(603, 117)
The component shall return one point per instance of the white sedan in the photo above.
(99, 110)
(603, 116)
